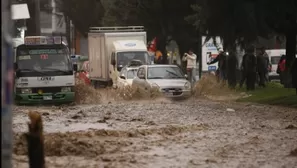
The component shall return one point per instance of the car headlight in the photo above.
(66, 89)
(187, 85)
(26, 91)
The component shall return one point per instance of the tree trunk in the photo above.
(183, 47)
(291, 52)
(33, 24)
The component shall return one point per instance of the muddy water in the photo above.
(193, 133)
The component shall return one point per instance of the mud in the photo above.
(162, 133)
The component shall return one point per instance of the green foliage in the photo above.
(160, 18)
(242, 21)
(83, 14)
(273, 94)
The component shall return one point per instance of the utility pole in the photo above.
(33, 24)
(68, 32)
(6, 85)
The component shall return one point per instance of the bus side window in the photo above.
(112, 59)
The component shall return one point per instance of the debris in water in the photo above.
(293, 152)
(35, 141)
(230, 110)
(291, 127)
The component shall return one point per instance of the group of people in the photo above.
(254, 67)
(251, 67)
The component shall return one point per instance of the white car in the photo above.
(168, 79)
(126, 76)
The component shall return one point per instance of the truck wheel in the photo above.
(95, 84)
(109, 83)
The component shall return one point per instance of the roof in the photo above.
(129, 45)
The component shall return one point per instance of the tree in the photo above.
(235, 21)
(161, 19)
(83, 14)
(244, 21)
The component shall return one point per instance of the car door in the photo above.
(146, 85)
(135, 81)
(121, 82)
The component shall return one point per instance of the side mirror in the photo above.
(17, 73)
(186, 76)
(113, 62)
(15, 66)
(122, 77)
(141, 77)
(75, 67)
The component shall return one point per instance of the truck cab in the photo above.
(43, 71)
(124, 51)
(112, 48)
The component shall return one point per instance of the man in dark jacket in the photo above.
(231, 69)
(281, 68)
(262, 67)
(249, 63)
(222, 60)
(294, 74)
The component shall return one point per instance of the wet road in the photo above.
(161, 133)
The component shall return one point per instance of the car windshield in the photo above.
(131, 73)
(43, 59)
(166, 72)
(124, 58)
(275, 59)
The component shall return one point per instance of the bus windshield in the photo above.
(43, 59)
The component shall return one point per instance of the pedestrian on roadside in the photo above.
(222, 67)
(281, 67)
(294, 74)
(263, 67)
(232, 65)
(249, 63)
(267, 63)
(191, 58)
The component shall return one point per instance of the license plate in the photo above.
(212, 68)
(168, 94)
(47, 98)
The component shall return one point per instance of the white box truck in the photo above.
(111, 48)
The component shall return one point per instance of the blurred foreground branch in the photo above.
(35, 141)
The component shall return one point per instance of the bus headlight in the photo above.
(187, 85)
(26, 90)
(66, 89)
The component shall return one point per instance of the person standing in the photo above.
(262, 67)
(281, 67)
(266, 64)
(294, 74)
(231, 69)
(249, 63)
(222, 60)
(191, 58)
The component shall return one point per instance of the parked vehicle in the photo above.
(168, 79)
(112, 48)
(274, 57)
(43, 71)
(82, 67)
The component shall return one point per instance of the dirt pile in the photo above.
(86, 94)
(209, 85)
(96, 142)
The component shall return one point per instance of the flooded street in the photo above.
(161, 134)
